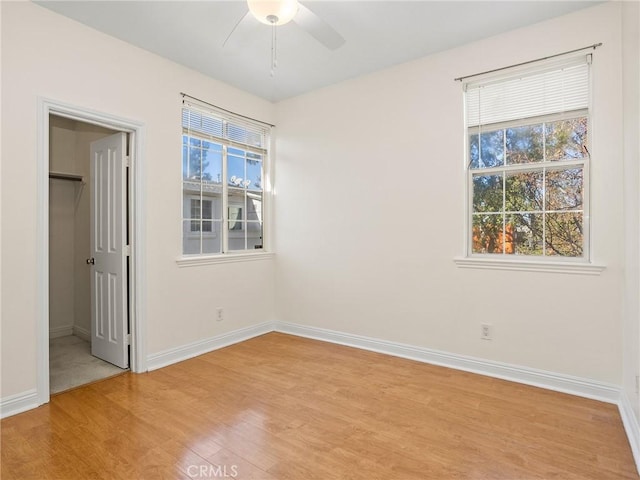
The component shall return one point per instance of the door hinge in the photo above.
(128, 339)
(127, 250)
(127, 161)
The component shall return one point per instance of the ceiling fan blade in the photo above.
(318, 28)
(242, 30)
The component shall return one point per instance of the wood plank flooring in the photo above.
(282, 407)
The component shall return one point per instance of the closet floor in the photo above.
(71, 364)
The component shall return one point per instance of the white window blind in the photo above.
(216, 124)
(564, 87)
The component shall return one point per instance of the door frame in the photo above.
(137, 279)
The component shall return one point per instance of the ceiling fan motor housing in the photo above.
(273, 12)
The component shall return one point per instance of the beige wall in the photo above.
(47, 55)
(631, 95)
(371, 209)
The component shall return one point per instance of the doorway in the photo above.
(66, 197)
(73, 360)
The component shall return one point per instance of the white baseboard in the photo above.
(539, 378)
(631, 426)
(63, 331)
(178, 354)
(21, 402)
(82, 333)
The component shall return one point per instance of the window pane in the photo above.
(254, 206)
(564, 234)
(254, 171)
(192, 164)
(190, 239)
(524, 234)
(235, 218)
(487, 193)
(524, 144)
(235, 170)
(254, 235)
(487, 233)
(185, 162)
(566, 139)
(523, 191)
(564, 189)
(207, 209)
(211, 238)
(211, 162)
(490, 152)
(237, 238)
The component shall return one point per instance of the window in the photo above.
(528, 163)
(223, 165)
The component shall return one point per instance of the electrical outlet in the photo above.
(219, 314)
(486, 331)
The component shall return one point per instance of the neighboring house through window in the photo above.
(223, 165)
(528, 162)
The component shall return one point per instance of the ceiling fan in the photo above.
(279, 12)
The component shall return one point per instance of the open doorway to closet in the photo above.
(88, 257)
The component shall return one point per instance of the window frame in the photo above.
(506, 261)
(227, 255)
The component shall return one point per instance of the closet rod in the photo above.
(66, 176)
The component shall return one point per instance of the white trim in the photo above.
(558, 382)
(138, 258)
(631, 427)
(574, 268)
(198, 260)
(135, 129)
(62, 331)
(82, 333)
(21, 402)
(42, 254)
(185, 352)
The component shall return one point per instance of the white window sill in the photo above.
(197, 260)
(573, 268)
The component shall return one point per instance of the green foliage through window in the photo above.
(528, 188)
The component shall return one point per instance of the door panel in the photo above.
(108, 249)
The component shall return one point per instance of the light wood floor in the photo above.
(282, 407)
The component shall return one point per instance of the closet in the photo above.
(71, 363)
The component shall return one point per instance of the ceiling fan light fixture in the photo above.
(273, 12)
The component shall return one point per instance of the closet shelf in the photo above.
(66, 176)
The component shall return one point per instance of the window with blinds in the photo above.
(527, 161)
(224, 160)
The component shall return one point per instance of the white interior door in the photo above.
(109, 340)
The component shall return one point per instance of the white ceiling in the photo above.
(378, 34)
